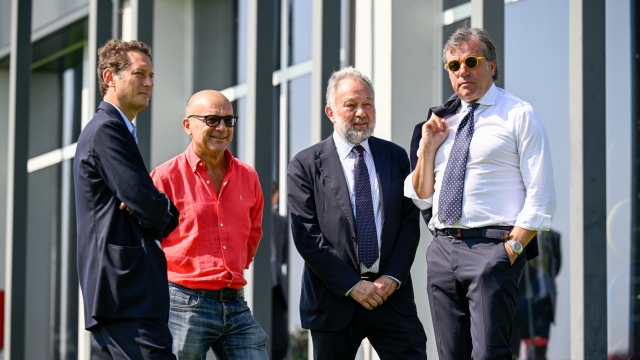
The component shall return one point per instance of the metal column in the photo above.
(260, 104)
(143, 19)
(588, 181)
(18, 139)
(326, 60)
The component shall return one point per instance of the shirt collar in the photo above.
(129, 124)
(194, 160)
(344, 147)
(489, 98)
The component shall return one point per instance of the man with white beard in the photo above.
(356, 232)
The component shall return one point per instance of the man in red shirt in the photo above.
(220, 204)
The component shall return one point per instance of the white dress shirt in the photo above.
(509, 177)
(348, 160)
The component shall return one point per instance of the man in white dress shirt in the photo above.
(486, 173)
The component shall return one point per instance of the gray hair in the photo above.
(463, 35)
(346, 73)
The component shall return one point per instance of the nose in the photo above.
(360, 111)
(463, 69)
(148, 81)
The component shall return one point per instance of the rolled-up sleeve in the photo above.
(537, 174)
(410, 192)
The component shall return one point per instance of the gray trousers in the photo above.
(472, 290)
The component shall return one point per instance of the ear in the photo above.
(186, 126)
(492, 66)
(108, 76)
(329, 111)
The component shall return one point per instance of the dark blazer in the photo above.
(324, 232)
(122, 271)
(444, 111)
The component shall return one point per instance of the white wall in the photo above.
(537, 70)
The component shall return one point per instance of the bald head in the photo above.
(208, 99)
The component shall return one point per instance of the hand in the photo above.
(434, 133)
(386, 284)
(368, 294)
(512, 255)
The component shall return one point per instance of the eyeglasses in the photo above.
(470, 62)
(214, 120)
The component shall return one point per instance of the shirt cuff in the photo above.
(533, 221)
(410, 192)
(398, 281)
(168, 203)
(354, 286)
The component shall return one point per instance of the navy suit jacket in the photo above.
(122, 271)
(324, 232)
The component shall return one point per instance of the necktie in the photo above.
(365, 221)
(450, 202)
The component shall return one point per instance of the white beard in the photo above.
(345, 129)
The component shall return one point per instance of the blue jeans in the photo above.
(198, 321)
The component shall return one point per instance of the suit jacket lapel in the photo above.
(330, 167)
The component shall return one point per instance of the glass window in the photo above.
(300, 31)
(299, 114)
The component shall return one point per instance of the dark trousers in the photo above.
(279, 325)
(472, 290)
(392, 334)
(131, 339)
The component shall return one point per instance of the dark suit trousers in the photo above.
(131, 339)
(472, 290)
(392, 334)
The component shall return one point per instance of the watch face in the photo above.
(517, 247)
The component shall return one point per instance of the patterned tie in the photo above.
(450, 202)
(365, 221)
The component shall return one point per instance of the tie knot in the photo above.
(359, 150)
(473, 106)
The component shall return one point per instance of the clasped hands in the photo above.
(371, 294)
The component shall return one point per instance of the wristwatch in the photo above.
(515, 246)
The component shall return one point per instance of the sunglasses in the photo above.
(214, 120)
(470, 62)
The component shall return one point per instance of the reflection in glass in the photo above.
(299, 114)
(243, 6)
(300, 31)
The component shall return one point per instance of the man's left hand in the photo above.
(512, 255)
(387, 284)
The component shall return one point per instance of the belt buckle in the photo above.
(224, 291)
(452, 235)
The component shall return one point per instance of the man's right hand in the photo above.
(368, 294)
(434, 133)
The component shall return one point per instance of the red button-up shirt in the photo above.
(217, 236)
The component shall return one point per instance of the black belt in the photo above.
(369, 276)
(224, 294)
(487, 233)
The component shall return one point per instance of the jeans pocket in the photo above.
(183, 299)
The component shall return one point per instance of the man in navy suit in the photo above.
(122, 270)
(356, 232)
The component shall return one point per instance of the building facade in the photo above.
(272, 59)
